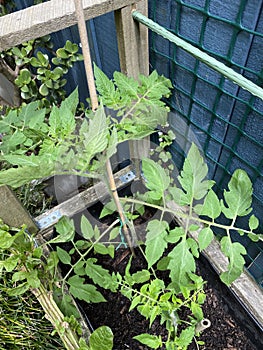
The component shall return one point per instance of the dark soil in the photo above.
(231, 327)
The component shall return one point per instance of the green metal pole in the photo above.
(200, 55)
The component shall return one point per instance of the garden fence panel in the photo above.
(227, 120)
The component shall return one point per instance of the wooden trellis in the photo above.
(53, 16)
(50, 17)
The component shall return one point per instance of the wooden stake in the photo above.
(94, 104)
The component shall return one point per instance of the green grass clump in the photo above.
(23, 324)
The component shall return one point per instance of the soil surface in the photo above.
(231, 328)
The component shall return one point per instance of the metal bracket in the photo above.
(49, 219)
(128, 177)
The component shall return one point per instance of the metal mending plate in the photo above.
(128, 177)
(49, 220)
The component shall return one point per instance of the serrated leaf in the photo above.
(153, 341)
(82, 291)
(205, 237)
(180, 265)
(193, 175)
(126, 85)
(98, 274)
(186, 337)
(65, 228)
(239, 197)
(234, 252)
(211, 206)
(101, 339)
(141, 276)
(155, 241)
(63, 256)
(96, 139)
(156, 177)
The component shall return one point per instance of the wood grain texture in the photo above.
(132, 41)
(49, 17)
(12, 212)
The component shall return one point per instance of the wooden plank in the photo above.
(81, 201)
(12, 212)
(49, 17)
(134, 60)
(132, 41)
(244, 288)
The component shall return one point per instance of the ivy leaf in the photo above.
(205, 237)
(153, 341)
(155, 241)
(211, 206)
(101, 339)
(156, 178)
(82, 291)
(239, 197)
(180, 265)
(234, 252)
(192, 177)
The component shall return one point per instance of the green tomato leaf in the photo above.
(63, 256)
(205, 237)
(180, 265)
(101, 339)
(156, 177)
(211, 206)
(65, 228)
(239, 197)
(234, 252)
(253, 222)
(155, 241)
(86, 228)
(192, 177)
(82, 291)
(153, 341)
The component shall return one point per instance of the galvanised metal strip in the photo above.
(200, 55)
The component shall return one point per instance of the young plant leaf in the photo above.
(192, 177)
(101, 339)
(86, 228)
(156, 178)
(239, 197)
(211, 206)
(82, 291)
(180, 265)
(155, 241)
(153, 341)
(234, 252)
(63, 256)
(205, 237)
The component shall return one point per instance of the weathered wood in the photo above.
(12, 212)
(244, 288)
(134, 60)
(49, 17)
(81, 201)
(132, 41)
